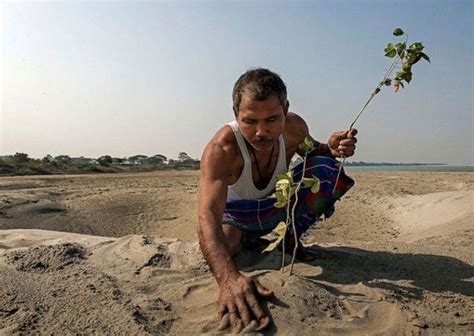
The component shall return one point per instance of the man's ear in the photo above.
(286, 108)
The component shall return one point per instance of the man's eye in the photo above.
(249, 121)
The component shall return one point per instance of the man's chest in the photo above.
(291, 147)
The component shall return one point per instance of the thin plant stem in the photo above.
(284, 236)
(298, 187)
(371, 96)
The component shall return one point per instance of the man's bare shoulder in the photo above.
(223, 142)
(296, 126)
(221, 152)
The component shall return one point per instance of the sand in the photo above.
(118, 254)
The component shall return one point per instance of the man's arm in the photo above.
(339, 144)
(237, 293)
(213, 194)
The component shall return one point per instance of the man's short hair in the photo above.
(261, 84)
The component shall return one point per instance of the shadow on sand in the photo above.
(348, 265)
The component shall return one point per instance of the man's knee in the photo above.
(233, 237)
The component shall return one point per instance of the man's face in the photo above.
(261, 122)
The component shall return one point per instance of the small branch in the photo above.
(293, 212)
(284, 236)
(387, 74)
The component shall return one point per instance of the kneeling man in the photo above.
(239, 167)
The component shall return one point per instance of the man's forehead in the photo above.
(248, 104)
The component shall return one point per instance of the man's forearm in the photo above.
(322, 149)
(219, 258)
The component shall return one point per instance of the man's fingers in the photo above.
(221, 312)
(237, 327)
(339, 135)
(264, 323)
(346, 149)
(263, 291)
(233, 317)
(348, 142)
(243, 312)
(256, 309)
(252, 327)
(224, 323)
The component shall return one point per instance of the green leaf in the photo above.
(282, 177)
(391, 53)
(406, 66)
(408, 76)
(425, 57)
(282, 184)
(304, 147)
(279, 231)
(315, 187)
(417, 58)
(401, 84)
(400, 74)
(387, 82)
(389, 47)
(279, 204)
(398, 32)
(417, 46)
(401, 48)
(308, 182)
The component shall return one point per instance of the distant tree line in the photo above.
(363, 163)
(22, 164)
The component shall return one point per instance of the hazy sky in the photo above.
(122, 78)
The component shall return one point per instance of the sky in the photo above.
(92, 78)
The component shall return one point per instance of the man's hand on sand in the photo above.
(239, 306)
(343, 143)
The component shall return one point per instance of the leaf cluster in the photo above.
(279, 232)
(408, 55)
(307, 145)
(286, 187)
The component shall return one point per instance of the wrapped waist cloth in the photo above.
(260, 215)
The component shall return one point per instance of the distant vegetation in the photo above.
(362, 163)
(22, 164)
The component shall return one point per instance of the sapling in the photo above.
(403, 60)
(286, 188)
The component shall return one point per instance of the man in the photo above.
(242, 161)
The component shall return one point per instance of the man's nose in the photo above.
(261, 131)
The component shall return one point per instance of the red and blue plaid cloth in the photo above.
(259, 215)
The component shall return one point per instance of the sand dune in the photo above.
(395, 259)
(436, 214)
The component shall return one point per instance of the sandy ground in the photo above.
(117, 254)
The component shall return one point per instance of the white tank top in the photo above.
(244, 188)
